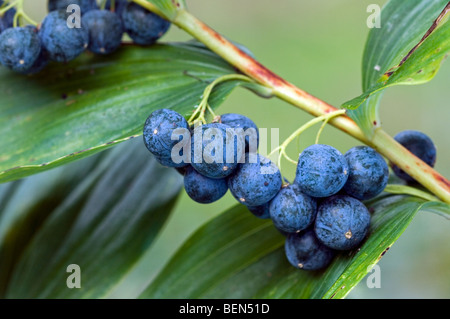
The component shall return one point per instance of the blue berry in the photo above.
(240, 121)
(420, 145)
(142, 25)
(342, 222)
(105, 31)
(291, 210)
(85, 5)
(19, 48)
(368, 173)
(62, 43)
(7, 20)
(216, 150)
(158, 130)
(261, 211)
(203, 189)
(41, 61)
(321, 171)
(255, 182)
(305, 251)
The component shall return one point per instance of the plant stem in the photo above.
(381, 141)
(415, 167)
(103, 5)
(20, 13)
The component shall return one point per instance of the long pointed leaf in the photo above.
(68, 112)
(104, 225)
(409, 48)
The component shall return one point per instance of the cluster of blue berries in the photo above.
(59, 38)
(209, 172)
(322, 211)
(319, 213)
(337, 184)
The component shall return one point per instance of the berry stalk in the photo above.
(282, 148)
(19, 14)
(199, 113)
(381, 141)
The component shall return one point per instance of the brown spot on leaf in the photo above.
(384, 252)
(427, 34)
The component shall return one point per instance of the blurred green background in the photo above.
(318, 46)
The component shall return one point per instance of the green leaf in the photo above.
(26, 203)
(239, 256)
(409, 190)
(104, 224)
(408, 49)
(70, 111)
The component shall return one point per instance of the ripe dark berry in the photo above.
(85, 5)
(305, 251)
(203, 189)
(249, 127)
(255, 183)
(342, 222)
(105, 31)
(7, 19)
(261, 211)
(41, 61)
(19, 48)
(158, 130)
(62, 43)
(420, 145)
(142, 25)
(321, 171)
(291, 210)
(368, 173)
(216, 150)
